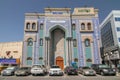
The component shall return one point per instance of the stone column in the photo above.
(67, 60)
(48, 54)
(68, 51)
(34, 54)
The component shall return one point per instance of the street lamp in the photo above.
(110, 62)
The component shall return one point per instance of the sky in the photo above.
(12, 13)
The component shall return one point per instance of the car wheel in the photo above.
(2, 74)
(84, 74)
(102, 73)
(43, 74)
(68, 73)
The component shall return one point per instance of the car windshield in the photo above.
(71, 67)
(104, 66)
(36, 66)
(10, 68)
(55, 67)
(24, 68)
(85, 67)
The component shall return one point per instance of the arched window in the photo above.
(74, 42)
(89, 26)
(82, 26)
(28, 26)
(34, 26)
(73, 26)
(87, 42)
(41, 26)
(30, 42)
(41, 42)
(29, 58)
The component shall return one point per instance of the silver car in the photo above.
(9, 71)
(38, 69)
(87, 71)
(24, 71)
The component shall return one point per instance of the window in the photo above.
(119, 39)
(89, 60)
(29, 58)
(117, 18)
(28, 26)
(87, 42)
(41, 26)
(73, 26)
(30, 42)
(41, 42)
(75, 43)
(89, 26)
(82, 26)
(118, 28)
(34, 26)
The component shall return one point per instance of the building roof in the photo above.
(113, 12)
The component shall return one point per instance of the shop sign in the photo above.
(8, 61)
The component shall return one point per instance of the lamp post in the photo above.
(109, 56)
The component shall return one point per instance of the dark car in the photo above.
(86, 71)
(24, 71)
(103, 69)
(70, 70)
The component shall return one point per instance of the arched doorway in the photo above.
(57, 47)
(59, 62)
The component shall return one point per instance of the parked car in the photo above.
(24, 71)
(2, 68)
(86, 71)
(70, 70)
(9, 71)
(103, 69)
(38, 69)
(55, 70)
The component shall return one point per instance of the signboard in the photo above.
(8, 61)
(84, 10)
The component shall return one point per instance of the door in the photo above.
(59, 62)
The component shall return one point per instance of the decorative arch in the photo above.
(89, 26)
(73, 26)
(28, 25)
(33, 26)
(87, 42)
(41, 26)
(82, 26)
(87, 37)
(30, 36)
(55, 27)
(30, 42)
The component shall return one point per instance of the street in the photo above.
(65, 77)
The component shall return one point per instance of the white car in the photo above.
(38, 69)
(55, 70)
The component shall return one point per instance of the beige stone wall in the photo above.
(59, 42)
(9, 49)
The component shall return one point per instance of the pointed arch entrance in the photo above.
(57, 47)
